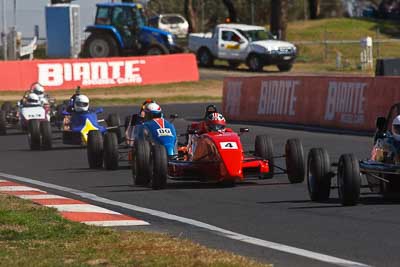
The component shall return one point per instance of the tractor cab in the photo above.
(119, 29)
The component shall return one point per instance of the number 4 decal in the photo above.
(229, 145)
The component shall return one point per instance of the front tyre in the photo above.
(95, 149)
(254, 63)
(160, 167)
(46, 134)
(111, 151)
(3, 122)
(34, 138)
(294, 155)
(285, 67)
(349, 180)
(113, 120)
(318, 174)
(141, 167)
(157, 49)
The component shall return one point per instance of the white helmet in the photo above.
(152, 110)
(38, 89)
(396, 128)
(81, 103)
(33, 99)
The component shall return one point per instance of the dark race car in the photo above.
(381, 170)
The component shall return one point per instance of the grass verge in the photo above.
(32, 235)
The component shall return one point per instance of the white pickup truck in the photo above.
(239, 43)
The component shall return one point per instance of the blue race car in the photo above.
(381, 170)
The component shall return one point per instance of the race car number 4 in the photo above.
(164, 132)
(229, 145)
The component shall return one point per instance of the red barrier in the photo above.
(103, 72)
(339, 102)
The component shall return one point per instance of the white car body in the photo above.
(173, 23)
(221, 45)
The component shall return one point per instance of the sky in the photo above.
(32, 12)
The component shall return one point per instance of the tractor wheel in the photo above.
(141, 167)
(157, 49)
(264, 148)
(349, 180)
(110, 151)
(95, 149)
(34, 134)
(160, 167)
(318, 174)
(295, 161)
(45, 132)
(100, 45)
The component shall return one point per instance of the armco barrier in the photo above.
(339, 102)
(103, 72)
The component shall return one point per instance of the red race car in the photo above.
(216, 155)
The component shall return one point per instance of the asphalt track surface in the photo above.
(271, 210)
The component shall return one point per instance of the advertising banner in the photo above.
(95, 73)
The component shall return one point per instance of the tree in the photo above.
(231, 10)
(191, 15)
(315, 8)
(279, 18)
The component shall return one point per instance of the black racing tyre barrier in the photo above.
(95, 149)
(160, 167)
(318, 174)
(3, 122)
(348, 180)
(294, 156)
(7, 106)
(46, 135)
(111, 155)
(34, 137)
(264, 148)
(141, 167)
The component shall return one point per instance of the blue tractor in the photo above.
(120, 30)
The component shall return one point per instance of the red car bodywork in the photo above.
(217, 156)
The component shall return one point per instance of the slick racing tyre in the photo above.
(160, 167)
(318, 174)
(46, 134)
(34, 138)
(264, 148)
(113, 120)
(3, 123)
(349, 180)
(294, 156)
(95, 149)
(141, 167)
(110, 151)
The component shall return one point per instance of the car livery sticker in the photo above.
(228, 145)
(164, 132)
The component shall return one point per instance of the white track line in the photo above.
(220, 231)
(81, 208)
(47, 196)
(117, 223)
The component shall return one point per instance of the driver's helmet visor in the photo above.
(81, 104)
(38, 92)
(31, 100)
(396, 129)
(216, 127)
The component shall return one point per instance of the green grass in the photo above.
(32, 235)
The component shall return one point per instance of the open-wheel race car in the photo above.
(213, 156)
(381, 170)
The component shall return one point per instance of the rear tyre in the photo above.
(160, 167)
(318, 174)
(100, 45)
(141, 167)
(110, 151)
(294, 161)
(45, 132)
(205, 58)
(113, 120)
(34, 134)
(95, 149)
(349, 180)
(3, 123)
(6, 106)
(264, 148)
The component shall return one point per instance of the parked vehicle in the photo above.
(173, 23)
(240, 43)
(120, 29)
